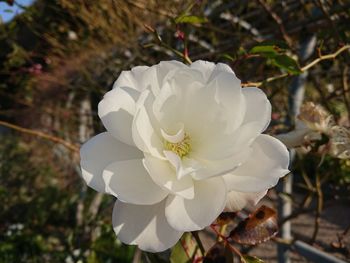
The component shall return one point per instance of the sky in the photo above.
(7, 12)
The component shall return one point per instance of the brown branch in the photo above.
(40, 134)
(303, 69)
(279, 22)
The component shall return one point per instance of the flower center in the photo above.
(180, 148)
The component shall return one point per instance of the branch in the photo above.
(43, 135)
(303, 69)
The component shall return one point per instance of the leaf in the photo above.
(287, 63)
(218, 253)
(251, 259)
(8, 11)
(269, 48)
(257, 228)
(178, 253)
(190, 19)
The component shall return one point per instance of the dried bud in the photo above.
(316, 117)
(340, 142)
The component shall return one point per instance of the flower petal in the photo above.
(131, 183)
(144, 225)
(258, 107)
(134, 78)
(268, 162)
(116, 111)
(145, 136)
(236, 201)
(210, 168)
(195, 214)
(164, 175)
(99, 152)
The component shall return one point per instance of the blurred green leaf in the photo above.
(287, 63)
(270, 46)
(8, 11)
(190, 19)
(178, 253)
(251, 259)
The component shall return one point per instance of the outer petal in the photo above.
(136, 78)
(100, 151)
(164, 175)
(269, 162)
(258, 107)
(195, 214)
(145, 226)
(131, 183)
(116, 111)
(236, 201)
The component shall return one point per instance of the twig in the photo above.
(279, 22)
(303, 69)
(199, 242)
(319, 208)
(227, 243)
(40, 134)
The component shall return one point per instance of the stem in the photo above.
(227, 243)
(199, 242)
(40, 134)
(319, 207)
(303, 69)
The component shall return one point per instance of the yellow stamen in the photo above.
(180, 148)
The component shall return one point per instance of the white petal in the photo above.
(210, 168)
(296, 137)
(144, 225)
(229, 95)
(195, 214)
(258, 107)
(181, 169)
(99, 152)
(131, 183)
(236, 201)
(268, 162)
(133, 78)
(177, 137)
(205, 67)
(164, 175)
(116, 111)
(226, 145)
(145, 136)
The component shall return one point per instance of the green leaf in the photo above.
(190, 19)
(251, 259)
(8, 11)
(287, 63)
(269, 48)
(178, 253)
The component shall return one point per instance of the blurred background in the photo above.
(58, 58)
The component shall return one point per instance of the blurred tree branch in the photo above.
(303, 69)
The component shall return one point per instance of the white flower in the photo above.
(181, 143)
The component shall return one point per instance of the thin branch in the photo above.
(279, 22)
(40, 134)
(303, 69)
(227, 243)
(199, 242)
